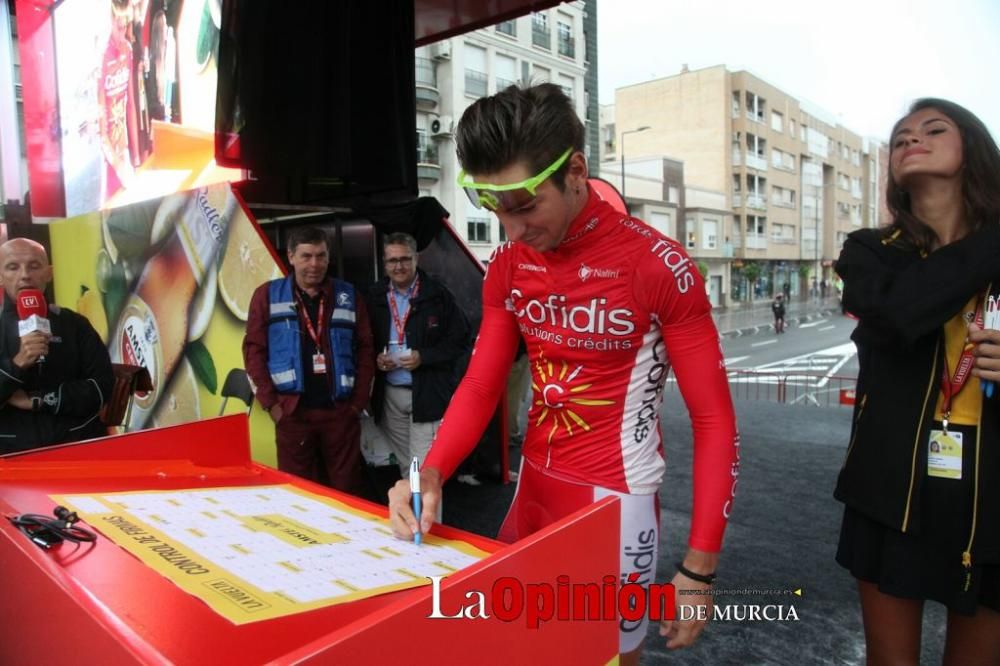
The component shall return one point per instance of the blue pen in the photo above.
(415, 492)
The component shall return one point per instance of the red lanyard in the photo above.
(313, 333)
(400, 324)
(950, 386)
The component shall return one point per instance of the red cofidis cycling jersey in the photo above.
(605, 315)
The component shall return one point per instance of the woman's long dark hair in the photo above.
(980, 176)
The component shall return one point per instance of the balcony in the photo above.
(755, 161)
(755, 201)
(755, 241)
(428, 164)
(427, 90)
(475, 83)
(541, 36)
(567, 47)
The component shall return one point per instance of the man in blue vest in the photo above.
(308, 353)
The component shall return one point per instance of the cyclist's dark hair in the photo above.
(535, 125)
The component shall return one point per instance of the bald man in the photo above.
(52, 386)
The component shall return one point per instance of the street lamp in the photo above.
(622, 147)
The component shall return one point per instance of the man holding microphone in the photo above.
(55, 373)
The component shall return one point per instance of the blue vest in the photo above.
(284, 348)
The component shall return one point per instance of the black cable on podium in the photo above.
(47, 532)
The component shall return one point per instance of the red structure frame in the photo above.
(99, 604)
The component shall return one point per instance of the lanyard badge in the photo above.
(315, 334)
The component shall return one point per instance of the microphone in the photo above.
(32, 312)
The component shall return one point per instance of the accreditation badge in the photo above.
(319, 364)
(944, 455)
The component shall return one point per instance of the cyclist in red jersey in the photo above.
(607, 306)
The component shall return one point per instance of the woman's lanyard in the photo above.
(397, 322)
(952, 385)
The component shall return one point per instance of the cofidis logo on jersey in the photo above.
(677, 261)
(593, 316)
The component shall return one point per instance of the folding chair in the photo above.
(237, 385)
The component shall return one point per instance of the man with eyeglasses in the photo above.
(308, 353)
(607, 306)
(420, 334)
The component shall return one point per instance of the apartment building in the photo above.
(549, 45)
(795, 181)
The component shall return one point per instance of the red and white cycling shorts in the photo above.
(542, 499)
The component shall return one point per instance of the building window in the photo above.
(690, 224)
(479, 230)
(505, 71)
(755, 107)
(507, 28)
(777, 122)
(782, 196)
(475, 71)
(567, 45)
(425, 72)
(791, 127)
(661, 222)
(475, 83)
(710, 233)
(541, 35)
(502, 233)
(566, 83)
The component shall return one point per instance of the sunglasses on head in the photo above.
(508, 197)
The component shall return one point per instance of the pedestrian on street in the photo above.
(778, 310)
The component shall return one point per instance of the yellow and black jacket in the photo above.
(902, 299)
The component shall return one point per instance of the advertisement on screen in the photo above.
(131, 86)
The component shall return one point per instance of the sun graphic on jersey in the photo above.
(558, 395)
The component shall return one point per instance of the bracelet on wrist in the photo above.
(708, 579)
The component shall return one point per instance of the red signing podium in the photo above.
(98, 604)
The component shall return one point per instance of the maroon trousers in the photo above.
(322, 445)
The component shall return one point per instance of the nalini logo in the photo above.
(586, 272)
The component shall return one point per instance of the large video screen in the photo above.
(135, 88)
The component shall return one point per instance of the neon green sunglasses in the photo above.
(508, 197)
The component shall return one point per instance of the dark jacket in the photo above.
(255, 352)
(75, 381)
(903, 300)
(437, 329)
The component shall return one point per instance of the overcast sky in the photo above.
(863, 61)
